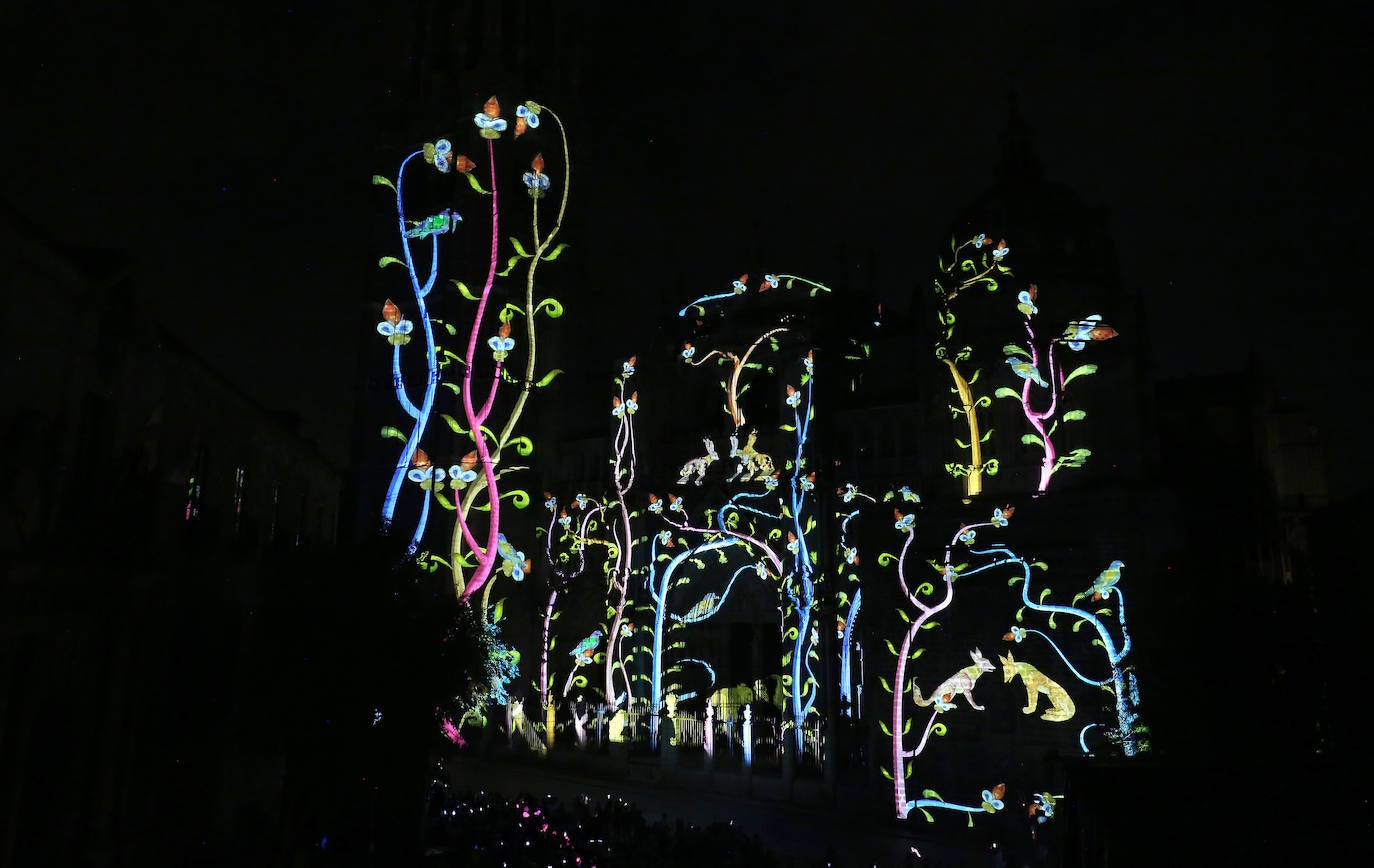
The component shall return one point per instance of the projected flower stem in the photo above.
(1025, 362)
(847, 561)
(1119, 681)
(738, 364)
(970, 267)
(924, 605)
(593, 529)
(491, 445)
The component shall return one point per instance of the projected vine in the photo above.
(1129, 732)
(607, 526)
(975, 264)
(477, 549)
(1026, 362)
(764, 528)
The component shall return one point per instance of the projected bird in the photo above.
(702, 609)
(1027, 371)
(587, 647)
(1106, 580)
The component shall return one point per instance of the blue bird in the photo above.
(1027, 371)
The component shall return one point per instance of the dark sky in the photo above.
(227, 149)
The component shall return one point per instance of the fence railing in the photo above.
(756, 738)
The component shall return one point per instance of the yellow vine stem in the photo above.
(974, 484)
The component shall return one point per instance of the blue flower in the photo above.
(1016, 634)
(980, 241)
(904, 522)
(850, 491)
(437, 154)
(966, 535)
(688, 351)
(551, 503)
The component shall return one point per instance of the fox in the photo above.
(1036, 682)
(960, 682)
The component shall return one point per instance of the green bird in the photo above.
(1106, 580)
(1027, 371)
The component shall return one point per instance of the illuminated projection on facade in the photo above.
(928, 623)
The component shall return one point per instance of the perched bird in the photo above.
(587, 646)
(1027, 371)
(1102, 586)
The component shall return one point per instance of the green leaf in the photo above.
(1005, 392)
(548, 378)
(1074, 415)
(1032, 440)
(392, 431)
(463, 288)
(510, 264)
(519, 248)
(554, 254)
(384, 182)
(453, 423)
(387, 260)
(472, 182)
(555, 309)
(1080, 371)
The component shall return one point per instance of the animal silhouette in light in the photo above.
(695, 469)
(752, 464)
(960, 683)
(1038, 683)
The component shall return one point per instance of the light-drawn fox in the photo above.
(960, 682)
(1036, 682)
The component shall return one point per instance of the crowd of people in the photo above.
(479, 828)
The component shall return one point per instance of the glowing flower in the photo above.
(1016, 634)
(908, 494)
(393, 326)
(489, 121)
(849, 492)
(665, 538)
(1025, 300)
(739, 285)
(980, 241)
(769, 282)
(502, 344)
(535, 179)
(437, 154)
(675, 503)
(423, 471)
(688, 351)
(1000, 250)
(628, 408)
(513, 562)
(463, 164)
(793, 396)
(793, 544)
(810, 362)
(992, 799)
(581, 500)
(629, 366)
(627, 628)
(526, 116)
(1000, 516)
(808, 482)
(550, 502)
(565, 519)
(771, 482)
(655, 505)
(903, 522)
(464, 471)
(967, 535)
(851, 555)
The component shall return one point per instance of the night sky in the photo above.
(227, 152)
